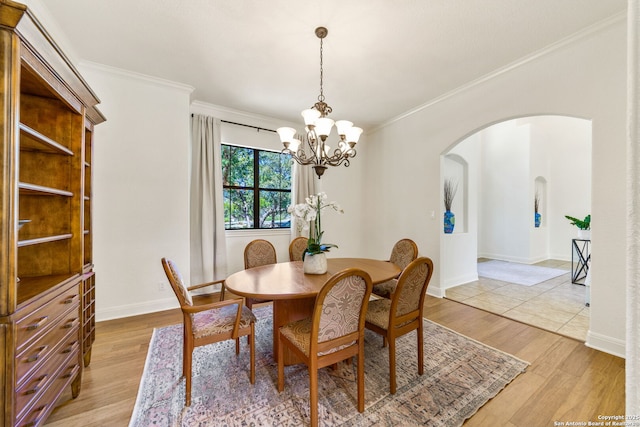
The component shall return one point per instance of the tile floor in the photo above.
(556, 305)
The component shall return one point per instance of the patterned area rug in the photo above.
(460, 375)
(521, 274)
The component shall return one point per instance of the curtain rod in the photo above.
(248, 126)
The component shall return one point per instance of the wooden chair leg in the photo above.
(420, 350)
(252, 354)
(185, 351)
(313, 394)
(280, 362)
(384, 341)
(249, 303)
(186, 367)
(392, 365)
(361, 375)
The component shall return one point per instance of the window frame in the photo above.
(256, 188)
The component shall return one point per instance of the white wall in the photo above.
(569, 185)
(141, 177)
(503, 232)
(584, 77)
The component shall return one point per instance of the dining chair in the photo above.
(257, 253)
(209, 323)
(335, 332)
(297, 247)
(403, 252)
(402, 314)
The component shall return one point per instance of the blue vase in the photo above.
(449, 222)
(537, 220)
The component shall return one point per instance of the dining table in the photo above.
(293, 292)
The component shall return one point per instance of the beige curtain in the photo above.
(305, 183)
(633, 210)
(208, 245)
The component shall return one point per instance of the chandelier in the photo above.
(312, 148)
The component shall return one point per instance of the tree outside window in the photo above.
(257, 188)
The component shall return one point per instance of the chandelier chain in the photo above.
(321, 96)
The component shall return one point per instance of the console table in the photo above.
(580, 259)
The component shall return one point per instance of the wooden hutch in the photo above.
(47, 288)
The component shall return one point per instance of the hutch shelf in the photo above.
(47, 283)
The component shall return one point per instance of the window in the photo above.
(257, 188)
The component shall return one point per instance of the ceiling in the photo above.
(382, 58)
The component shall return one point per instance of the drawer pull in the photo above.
(39, 323)
(36, 356)
(71, 347)
(38, 417)
(71, 323)
(69, 300)
(38, 386)
(73, 372)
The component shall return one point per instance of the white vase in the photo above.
(584, 234)
(315, 264)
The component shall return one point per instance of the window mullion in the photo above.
(256, 189)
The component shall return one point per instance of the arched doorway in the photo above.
(510, 165)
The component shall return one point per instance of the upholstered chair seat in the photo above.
(299, 333)
(222, 321)
(385, 289)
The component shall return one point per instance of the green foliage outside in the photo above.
(273, 186)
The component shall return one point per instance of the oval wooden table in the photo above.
(293, 292)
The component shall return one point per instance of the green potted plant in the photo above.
(584, 226)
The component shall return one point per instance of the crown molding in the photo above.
(157, 81)
(577, 36)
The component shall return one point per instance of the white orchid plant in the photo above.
(307, 217)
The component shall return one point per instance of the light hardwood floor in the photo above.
(566, 381)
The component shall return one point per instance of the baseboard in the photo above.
(606, 344)
(450, 282)
(509, 258)
(135, 309)
(560, 257)
(436, 292)
(502, 257)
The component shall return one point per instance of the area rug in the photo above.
(460, 375)
(521, 274)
